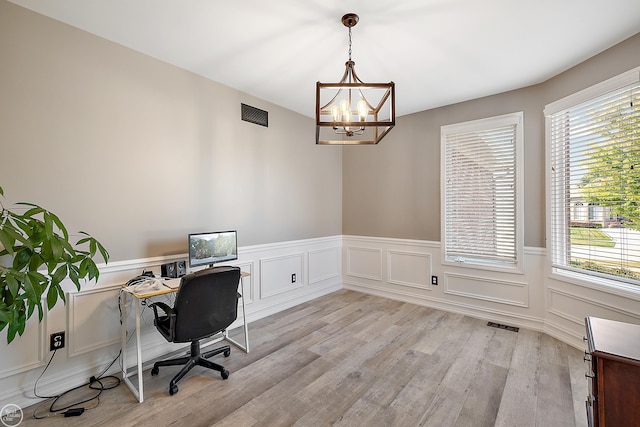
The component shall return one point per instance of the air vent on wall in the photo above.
(255, 115)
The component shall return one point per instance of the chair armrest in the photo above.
(167, 310)
(170, 314)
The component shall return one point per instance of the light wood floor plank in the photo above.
(351, 359)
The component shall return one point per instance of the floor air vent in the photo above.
(500, 326)
(255, 115)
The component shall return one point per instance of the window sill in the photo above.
(609, 286)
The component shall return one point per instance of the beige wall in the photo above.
(139, 153)
(393, 189)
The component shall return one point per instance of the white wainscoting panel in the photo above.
(365, 263)
(572, 307)
(94, 319)
(407, 268)
(26, 351)
(487, 289)
(324, 264)
(275, 274)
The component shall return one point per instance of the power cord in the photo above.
(72, 409)
(95, 383)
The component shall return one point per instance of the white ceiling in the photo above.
(438, 52)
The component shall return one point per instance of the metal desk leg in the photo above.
(123, 333)
(138, 393)
(139, 351)
(244, 347)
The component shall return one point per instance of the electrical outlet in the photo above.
(434, 280)
(56, 341)
(293, 278)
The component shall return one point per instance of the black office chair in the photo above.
(206, 304)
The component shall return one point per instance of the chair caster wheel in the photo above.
(227, 353)
(224, 374)
(155, 370)
(173, 390)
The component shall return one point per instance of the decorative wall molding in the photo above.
(471, 287)
(91, 319)
(364, 262)
(487, 313)
(275, 274)
(30, 346)
(324, 264)
(406, 268)
(572, 298)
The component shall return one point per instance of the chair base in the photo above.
(195, 358)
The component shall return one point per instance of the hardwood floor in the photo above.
(351, 359)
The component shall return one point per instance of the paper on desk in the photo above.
(172, 283)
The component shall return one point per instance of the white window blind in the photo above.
(594, 155)
(481, 191)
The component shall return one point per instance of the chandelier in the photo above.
(351, 111)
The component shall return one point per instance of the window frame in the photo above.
(585, 279)
(481, 125)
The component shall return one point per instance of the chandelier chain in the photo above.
(349, 43)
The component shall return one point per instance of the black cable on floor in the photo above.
(73, 409)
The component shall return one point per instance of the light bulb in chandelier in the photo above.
(342, 113)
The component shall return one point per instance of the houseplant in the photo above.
(36, 255)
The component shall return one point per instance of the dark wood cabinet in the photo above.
(613, 374)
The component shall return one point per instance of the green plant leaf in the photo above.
(48, 225)
(21, 321)
(73, 275)
(17, 322)
(12, 285)
(29, 290)
(22, 258)
(66, 247)
(60, 274)
(35, 210)
(30, 309)
(11, 331)
(5, 315)
(56, 247)
(40, 283)
(60, 225)
(92, 269)
(103, 252)
(1, 192)
(15, 234)
(35, 262)
(61, 293)
(7, 241)
(52, 296)
(82, 272)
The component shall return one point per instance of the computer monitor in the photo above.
(212, 247)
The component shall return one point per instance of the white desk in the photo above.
(137, 298)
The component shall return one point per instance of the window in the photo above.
(482, 192)
(593, 154)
